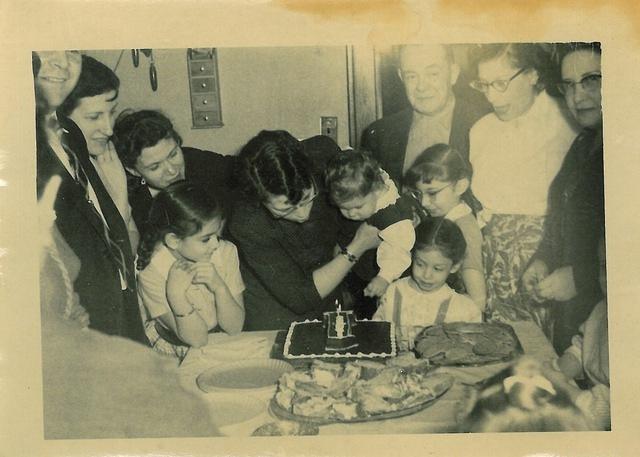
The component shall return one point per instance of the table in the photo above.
(440, 417)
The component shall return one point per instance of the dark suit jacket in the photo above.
(208, 169)
(387, 138)
(111, 310)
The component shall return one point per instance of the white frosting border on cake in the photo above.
(341, 355)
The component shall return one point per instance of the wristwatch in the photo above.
(350, 257)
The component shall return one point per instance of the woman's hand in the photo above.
(179, 279)
(114, 175)
(559, 285)
(366, 238)
(207, 274)
(537, 271)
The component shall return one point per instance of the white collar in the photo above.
(539, 112)
(389, 196)
(458, 211)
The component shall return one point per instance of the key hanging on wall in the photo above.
(153, 73)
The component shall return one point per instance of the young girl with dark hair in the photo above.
(424, 298)
(441, 177)
(190, 280)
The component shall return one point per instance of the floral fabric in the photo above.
(510, 241)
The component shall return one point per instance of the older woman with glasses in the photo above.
(294, 246)
(565, 269)
(516, 151)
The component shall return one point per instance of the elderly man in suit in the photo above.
(439, 113)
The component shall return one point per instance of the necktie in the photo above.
(80, 176)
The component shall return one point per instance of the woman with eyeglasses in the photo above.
(565, 270)
(295, 249)
(516, 151)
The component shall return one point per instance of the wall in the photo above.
(261, 88)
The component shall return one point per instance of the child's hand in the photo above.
(536, 272)
(376, 288)
(570, 366)
(559, 285)
(179, 279)
(206, 273)
(366, 237)
(557, 378)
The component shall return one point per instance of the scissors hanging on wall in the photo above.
(153, 74)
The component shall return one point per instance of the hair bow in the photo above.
(538, 381)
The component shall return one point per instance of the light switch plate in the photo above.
(329, 127)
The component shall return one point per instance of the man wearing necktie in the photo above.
(86, 214)
(440, 110)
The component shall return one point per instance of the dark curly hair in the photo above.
(182, 208)
(352, 174)
(274, 163)
(521, 55)
(442, 235)
(137, 130)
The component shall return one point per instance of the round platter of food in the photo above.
(358, 391)
(467, 344)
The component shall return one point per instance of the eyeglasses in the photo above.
(501, 85)
(589, 83)
(433, 193)
(280, 214)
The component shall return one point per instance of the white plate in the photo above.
(249, 377)
(238, 415)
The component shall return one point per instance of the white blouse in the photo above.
(420, 308)
(515, 161)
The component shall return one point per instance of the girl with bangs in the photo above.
(441, 177)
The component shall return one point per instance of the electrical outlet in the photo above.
(329, 127)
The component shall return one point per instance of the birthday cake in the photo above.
(361, 340)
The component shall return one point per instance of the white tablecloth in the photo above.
(441, 416)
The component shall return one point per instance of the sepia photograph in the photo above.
(419, 274)
(326, 242)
